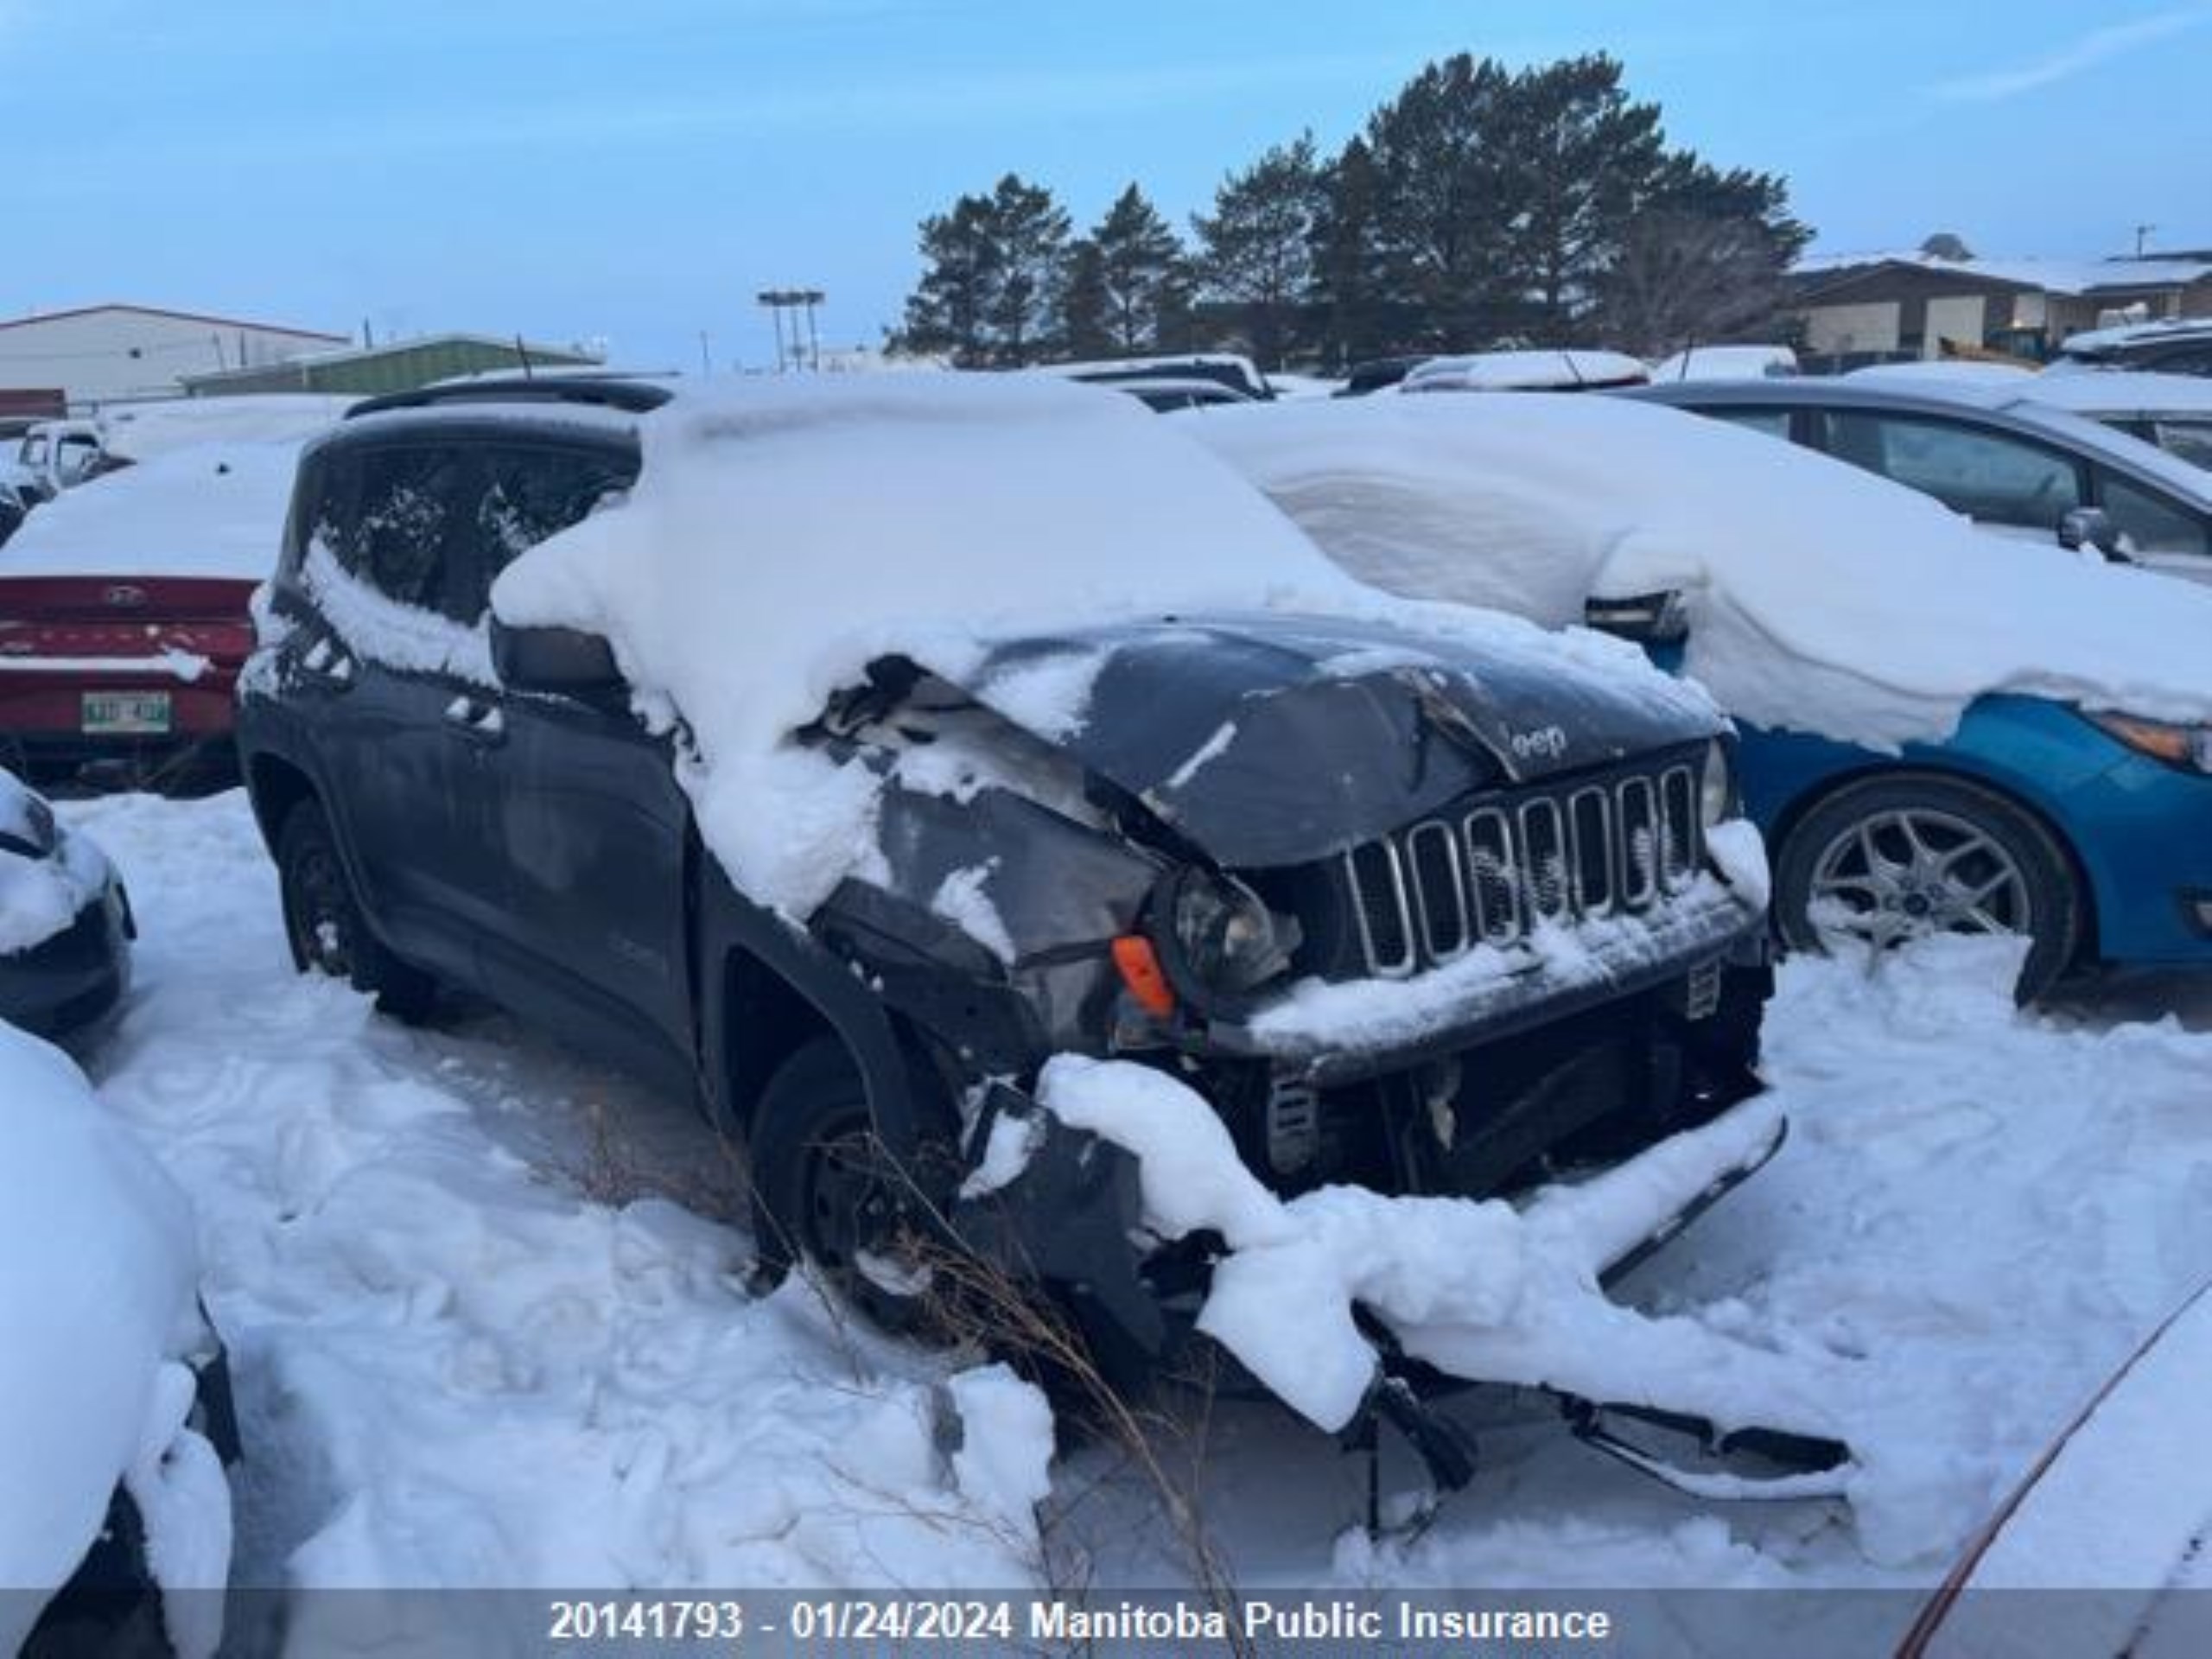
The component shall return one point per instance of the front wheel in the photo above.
(839, 1199)
(1890, 860)
(323, 922)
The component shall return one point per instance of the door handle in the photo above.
(476, 719)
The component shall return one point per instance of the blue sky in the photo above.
(638, 171)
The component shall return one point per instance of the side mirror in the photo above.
(2090, 527)
(1646, 619)
(558, 660)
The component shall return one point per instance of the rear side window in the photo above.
(1990, 476)
(2151, 523)
(403, 532)
(525, 494)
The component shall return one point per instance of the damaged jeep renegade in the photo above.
(850, 825)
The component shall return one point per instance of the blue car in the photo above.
(1835, 600)
(2092, 833)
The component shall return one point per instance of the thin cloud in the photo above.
(2098, 46)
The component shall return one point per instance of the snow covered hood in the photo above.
(208, 510)
(1544, 371)
(786, 534)
(98, 1302)
(1272, 739)
(1822, 598)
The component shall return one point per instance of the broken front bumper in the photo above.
(1328, 1034)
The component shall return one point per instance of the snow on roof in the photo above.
(1726, 362)
(2077, 277)
(1945, 374)
(2135, 334)
(786, 532)
(1539, 371)
(37, 317)
(143, 431)
(1822, 599)
(209, 510)
(97, 1297)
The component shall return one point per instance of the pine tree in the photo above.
(1256, 252)
(948, 312)
(1147, 278)
(1445, 200)
(1579, 159)
(1086, 331)
(1031, 232)
(1350, 285)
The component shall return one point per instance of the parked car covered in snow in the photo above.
(852, 810)
(64, 920)
(2168, 345)
(124, 614)
(1943, 731)
(1987, 446)
(1527, 371)
(115, 1521)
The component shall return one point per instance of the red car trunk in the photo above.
(123, 666)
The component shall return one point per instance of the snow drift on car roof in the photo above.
(211, 510)
(784, 534)
(1822, 599)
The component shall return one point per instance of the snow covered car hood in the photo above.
(1272, 739)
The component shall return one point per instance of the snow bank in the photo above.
(207, 510)
(96, 1302)
(45, 878)
(783, 534)
(1822, 598)
(456, 1369)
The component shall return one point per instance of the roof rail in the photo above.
(608, 392)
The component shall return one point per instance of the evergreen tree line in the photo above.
(1480, 206)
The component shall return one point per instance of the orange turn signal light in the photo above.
(1140, 971)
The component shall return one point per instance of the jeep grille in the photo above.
(1488, 872)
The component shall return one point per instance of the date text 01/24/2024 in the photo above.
(954, 1621)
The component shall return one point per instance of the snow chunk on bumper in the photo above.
(1480, 1290)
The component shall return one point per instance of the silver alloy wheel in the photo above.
(1910, 872)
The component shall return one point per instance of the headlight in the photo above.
(2187, 746)
(1717, 790)
(37, 836)
(1227, 936)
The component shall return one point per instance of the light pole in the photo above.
(807, 351)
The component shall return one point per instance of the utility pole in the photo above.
(706, 357)
(2141, 232)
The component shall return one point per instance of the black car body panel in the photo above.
(1269, 740)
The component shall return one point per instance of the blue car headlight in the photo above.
(2189, 747)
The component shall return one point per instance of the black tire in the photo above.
(323, 922)
(1902, 852)
(837, 1200)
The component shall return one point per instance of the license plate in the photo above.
(124, 714)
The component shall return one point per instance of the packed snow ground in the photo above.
(485, 1307)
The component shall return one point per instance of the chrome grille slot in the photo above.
(1432, 892)
(1678, 849)
(1378, 884)
(1439, 890)
(1589, 816)
(1639, 839)
(1543, 859)
(1492, 879)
